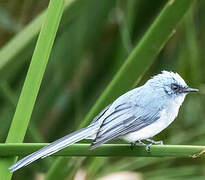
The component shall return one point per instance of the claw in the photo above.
(148, 147)
(154, 142)
(151, 143)
(132, 145)
(137, 143)
(160, 142)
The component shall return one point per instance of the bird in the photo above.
(136, 116)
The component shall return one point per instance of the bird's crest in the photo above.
(166, 77)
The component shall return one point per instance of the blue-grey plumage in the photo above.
(137, 115)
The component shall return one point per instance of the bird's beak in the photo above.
(186, 90)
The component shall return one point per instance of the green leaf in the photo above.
(33, 81)
(107, 150)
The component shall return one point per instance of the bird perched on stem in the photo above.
(135, 116)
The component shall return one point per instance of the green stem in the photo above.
(106, 150)
(33, 81)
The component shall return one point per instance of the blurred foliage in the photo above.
(87, 53)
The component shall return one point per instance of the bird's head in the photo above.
(171, 83)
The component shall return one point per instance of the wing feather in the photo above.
(123, 121)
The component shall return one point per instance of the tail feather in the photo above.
(56, 146)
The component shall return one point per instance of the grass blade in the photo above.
(19, 49)
(107, 150)
(33, 81)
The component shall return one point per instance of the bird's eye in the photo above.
(175, 87)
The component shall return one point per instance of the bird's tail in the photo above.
(56, 146)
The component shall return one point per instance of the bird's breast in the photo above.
(167, 116)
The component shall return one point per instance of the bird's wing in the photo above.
(126, 118)
(100, 114)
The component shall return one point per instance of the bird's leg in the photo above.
(140, 143)
(132, 145)
(154, 142)
(151, 143)
(137, 143)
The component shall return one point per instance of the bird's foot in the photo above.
(137, 143)
(154, 142)
(132, 145)
(147, 146)
(151, 143)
